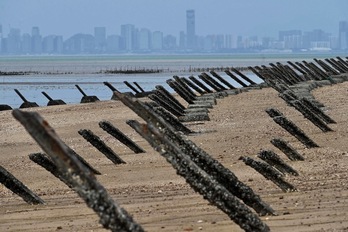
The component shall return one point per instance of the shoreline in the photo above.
(159, 199)
(227, 125)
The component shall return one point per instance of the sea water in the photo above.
(59, 74)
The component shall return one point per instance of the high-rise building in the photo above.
(314, 38)
(292, 39)
(58, 44)
(230, 42)
(343, 35)
(48, 44)
(144, 39)
(14, 41)
(36, 41)
(129, 36)
(182, 40)
(113, 43)
(100, 39)
(0, 38)
(26, 43)
(169, 42)
(190, 29)
(157, 40)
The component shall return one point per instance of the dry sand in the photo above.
(158, 199)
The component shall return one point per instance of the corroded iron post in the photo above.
(200, 84)
(223, 175)
(17, 187)
(26, 103)
(269, 173)
(120, 136)
(236, 78)
(199, 180)
(290, 127)
(85, 98)
(111, 215)
(53, 102)
(287, 149)
(275, 161)
(101, 146)
(44, 161)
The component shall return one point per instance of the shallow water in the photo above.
(87, 74)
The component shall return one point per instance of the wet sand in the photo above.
(158, 199)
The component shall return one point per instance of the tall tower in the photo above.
(128, 34)
(0, 38)
(190, 29)
(343, 34)
(100, 39)
(36, 40)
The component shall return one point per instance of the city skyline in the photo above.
(215, 17)
(135, 40)
(132, 39)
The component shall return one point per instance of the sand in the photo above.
(158, 199)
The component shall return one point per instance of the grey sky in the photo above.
(237, 17)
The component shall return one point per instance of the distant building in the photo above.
(208, 43)
(230, 42)
(190, 29)
(182, 40)
(157, 40)
(36, 41)
(144, 39)
(113, 43)
(100, 39)
(48, 44)
(59, 44)
(169, 42)
(291, 39)
(315, 38)
(26, 43)
(128, 33)
(343, 35)
(0, 38)
(14, 41)
(79, 43)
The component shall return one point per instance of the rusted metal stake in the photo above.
(199, 180)
(101, 146)
(172, 120)
(290, 127)
(26, 103)
(44, 161)
(112, 216)
(116, 133)
(287, 149)
(223, 175)
(275, 161)
(17, 187)
(269, 173)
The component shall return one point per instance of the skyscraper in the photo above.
(343, 35)
(100, 39)
(144, 37)
(190, 29)
(157, 40)
(128, 34)
(14, 41)
(36, 41)
(0, 38)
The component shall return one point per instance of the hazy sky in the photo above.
(237, 17)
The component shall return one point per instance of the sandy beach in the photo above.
(160, 200)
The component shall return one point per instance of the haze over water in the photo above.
(85, 71)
